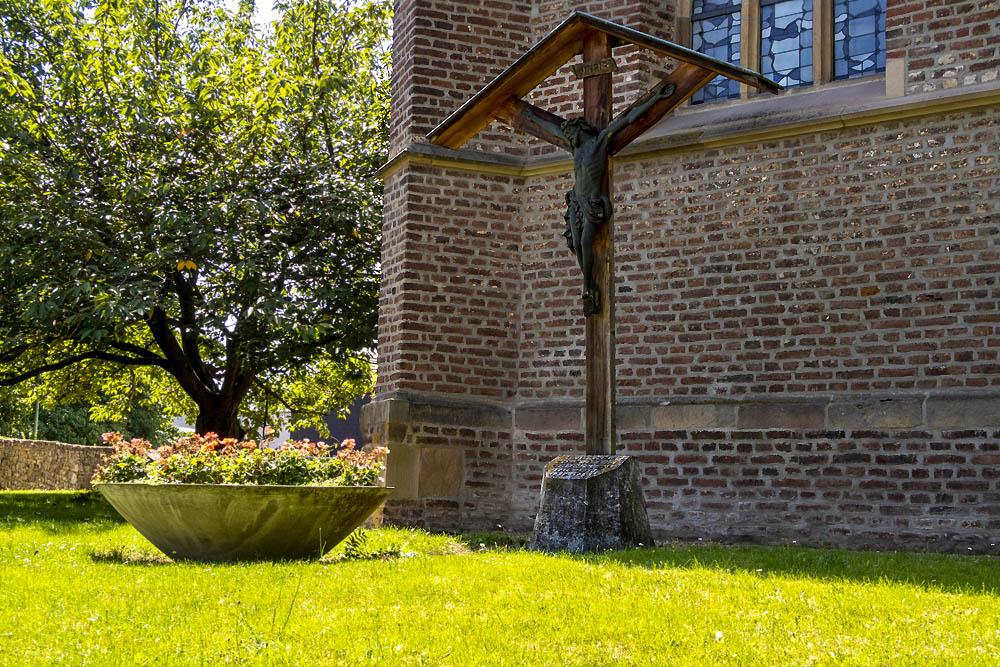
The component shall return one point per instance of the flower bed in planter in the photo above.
(212, 499)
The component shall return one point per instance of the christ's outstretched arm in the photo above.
(633, 114)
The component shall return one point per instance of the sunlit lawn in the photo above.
(79, 587)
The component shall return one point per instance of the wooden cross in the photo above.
(501, 100)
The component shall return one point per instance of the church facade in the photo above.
(807, 295)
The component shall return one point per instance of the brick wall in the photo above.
(806, 320)
(443, 51)
(450, 290)
(39, 464)
(859, 260)
(944, 43)
(879, 489)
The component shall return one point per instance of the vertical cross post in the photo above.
(600, 331)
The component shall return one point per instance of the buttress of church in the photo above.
(807, 285)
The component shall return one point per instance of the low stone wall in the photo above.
(39, 464)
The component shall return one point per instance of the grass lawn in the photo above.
(80, 587)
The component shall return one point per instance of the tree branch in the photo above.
(69, 361)
(281, 400)
(13, 353)
(177, 363)
(186, 296)
(136, 350)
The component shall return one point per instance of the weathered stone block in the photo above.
(869, 412)
(633, 417)
(402, 472)
(385, 422)
(553, 418)
(693, 416)
(460, 414)
(799, 415)
(591, 503)
(386, 410)
(440, 472)
(962, 411)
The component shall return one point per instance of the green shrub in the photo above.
(210, 460)
(72, 423)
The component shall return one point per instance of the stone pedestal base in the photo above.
(591, 503)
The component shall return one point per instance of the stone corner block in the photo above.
(440, 472)
(387, 410)
(402, 472)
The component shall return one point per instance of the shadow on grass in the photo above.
(494, 541)
(58, 511)
(944, 572)
(129, 556)
(952, 573)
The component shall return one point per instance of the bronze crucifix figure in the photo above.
(588, 204)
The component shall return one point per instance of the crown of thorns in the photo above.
(578, 124)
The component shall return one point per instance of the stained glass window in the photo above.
(715, 31)
(786, 32)
(858, 37)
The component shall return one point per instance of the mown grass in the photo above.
(80, 587)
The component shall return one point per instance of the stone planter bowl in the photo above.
(219, 522)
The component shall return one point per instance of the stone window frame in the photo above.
(750, 28)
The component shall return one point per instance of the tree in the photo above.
(188, 200)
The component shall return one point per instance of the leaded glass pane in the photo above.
(858, 37)
(786, 42)
(715, 28)
(706, 7)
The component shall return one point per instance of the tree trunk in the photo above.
(216, 419)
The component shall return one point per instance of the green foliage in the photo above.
(268, 466)
(80, 423)
(358, 546)
(189, 204)
(73, 423)
(124, 468)
(210, 460)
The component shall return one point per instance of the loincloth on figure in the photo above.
(594, 209)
